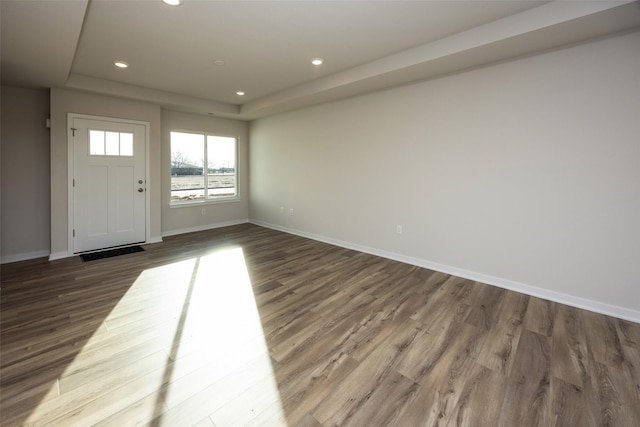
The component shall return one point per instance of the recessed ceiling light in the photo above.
(172, 2)
(121, 64)
(317, 61)
(218, 62)
(240, 93)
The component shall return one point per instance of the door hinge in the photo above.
(74, 182)
(74, 131)
(74, 232)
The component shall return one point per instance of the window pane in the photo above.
(126, 144)
(221, 153)
(96, 143)
(112, 144)
(187, 164)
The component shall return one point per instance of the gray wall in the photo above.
(524, 174)
(180, 219)
(25, 174)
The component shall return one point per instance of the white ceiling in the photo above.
(267, 45)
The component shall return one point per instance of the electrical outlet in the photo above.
(398, 229)
(290, 211)
(281, 209)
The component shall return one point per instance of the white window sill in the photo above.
(204, 202)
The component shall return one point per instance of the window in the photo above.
(203, 168)
(105, 143)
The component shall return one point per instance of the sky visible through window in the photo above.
(190, 148)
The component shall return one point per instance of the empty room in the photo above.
(320, 213)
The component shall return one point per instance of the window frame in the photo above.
(207, 199)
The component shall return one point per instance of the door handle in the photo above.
(140, 190)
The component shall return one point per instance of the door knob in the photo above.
(140, 190)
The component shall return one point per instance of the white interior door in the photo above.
(109, 186)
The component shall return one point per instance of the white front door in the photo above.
(109, 183)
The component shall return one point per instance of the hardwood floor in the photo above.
(249, 326)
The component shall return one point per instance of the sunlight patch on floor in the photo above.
(185, 335)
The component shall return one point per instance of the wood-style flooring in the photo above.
(245, 326)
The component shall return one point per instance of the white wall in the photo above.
(69, 101)
(25, 174)
(182, 219)
(524, 174)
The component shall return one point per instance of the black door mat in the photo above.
(110, 253)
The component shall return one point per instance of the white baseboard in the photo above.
(59, 255)
(23, 256)
(571, 300)
(204, 227)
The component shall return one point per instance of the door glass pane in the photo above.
(112, 144)
(126, 144)
(96, 143)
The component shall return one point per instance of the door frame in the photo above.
(71, 170)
